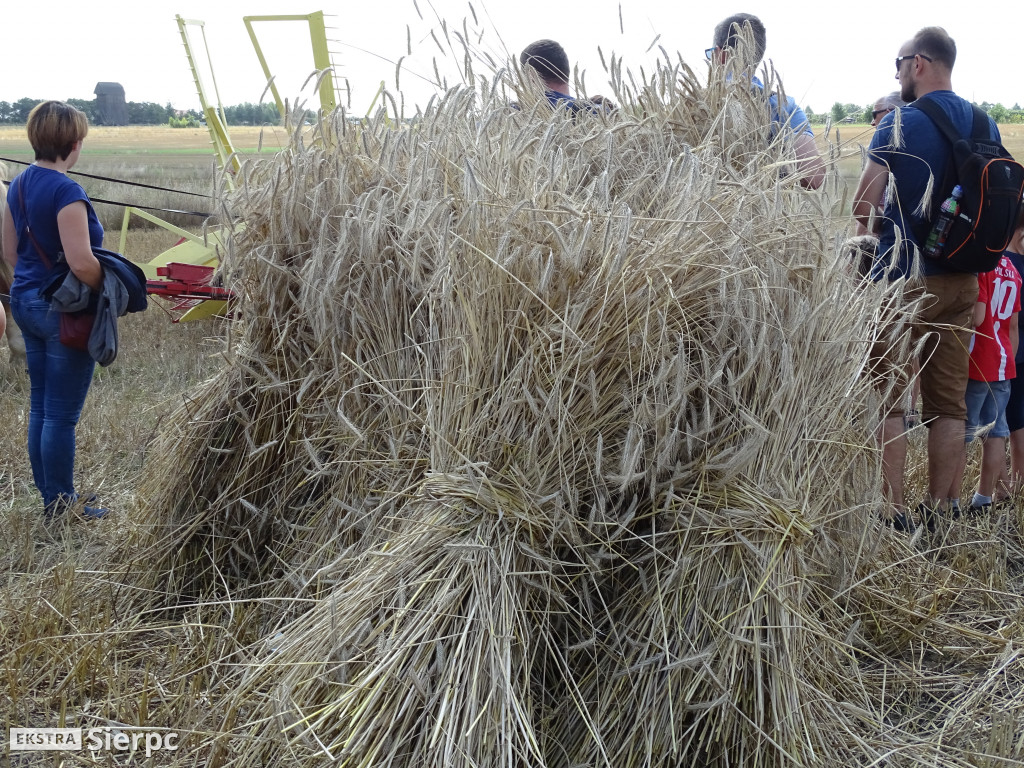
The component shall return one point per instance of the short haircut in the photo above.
(54, 128)
(936, 43)
(892, 100)
(729, 32)
(548, 58)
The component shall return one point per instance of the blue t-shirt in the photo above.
(792, 116)
(564, 100)
(46, 192)
(923, 147)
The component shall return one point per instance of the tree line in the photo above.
(855, 113)
(149, 113)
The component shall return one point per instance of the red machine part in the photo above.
(187, 283)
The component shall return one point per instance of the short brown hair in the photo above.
(730, 31)
(936, 42)
(54, 128)
(548, 58)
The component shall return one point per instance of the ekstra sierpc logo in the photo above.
(93, 739)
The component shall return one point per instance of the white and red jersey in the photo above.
(991, 353)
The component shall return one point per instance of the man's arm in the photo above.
(810, 166)
(869, 191)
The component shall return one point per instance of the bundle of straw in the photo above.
(548, 441)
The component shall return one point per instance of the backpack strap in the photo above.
(979, 125)
(941, 120)
(980, 128)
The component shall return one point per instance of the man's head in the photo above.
(549, 60)
(741, 26)
(925, 63)
(885, 105)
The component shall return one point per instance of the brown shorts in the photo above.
(944, 321)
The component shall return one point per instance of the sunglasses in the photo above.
(901, 59)
(883, 112)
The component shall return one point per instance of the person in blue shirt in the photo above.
(46, 214)
(884, 106)
(551, 63)
(915, 153)
(745, 27)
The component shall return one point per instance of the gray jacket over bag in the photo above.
(123, 291)
(111, 303)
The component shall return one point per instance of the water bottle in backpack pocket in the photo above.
(936, 241)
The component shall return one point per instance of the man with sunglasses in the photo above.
(915, 154)
(884, 106)
(748, 29)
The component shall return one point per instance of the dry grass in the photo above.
(534, 443)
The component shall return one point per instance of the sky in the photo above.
(823, 52)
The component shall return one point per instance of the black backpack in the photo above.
(991, 182)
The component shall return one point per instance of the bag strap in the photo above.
(979, 121)
(28, 229)
(941, 120)
(980, 129)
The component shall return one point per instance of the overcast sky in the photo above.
(824, 52)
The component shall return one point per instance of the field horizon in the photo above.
(152, 138)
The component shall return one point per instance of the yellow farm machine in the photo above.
(185, 273)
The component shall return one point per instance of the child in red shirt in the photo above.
(993, 348)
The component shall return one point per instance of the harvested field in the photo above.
(537, 442)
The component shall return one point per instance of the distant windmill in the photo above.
(110, 105)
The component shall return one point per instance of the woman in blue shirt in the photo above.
(47, 213)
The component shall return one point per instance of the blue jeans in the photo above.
(59, 379)
(986, 404)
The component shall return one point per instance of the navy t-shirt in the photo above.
(918, 149)
(46, 192)
(557, 99)
(1017, 260)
